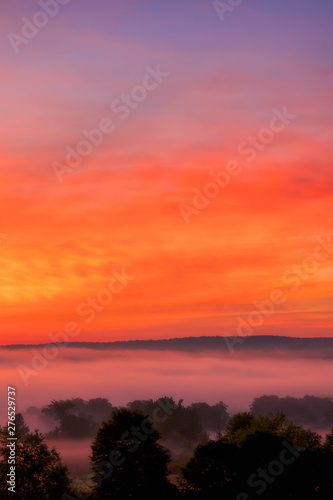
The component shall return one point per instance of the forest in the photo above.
(161, 448)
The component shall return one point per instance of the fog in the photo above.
(125, 375)
(74, 453)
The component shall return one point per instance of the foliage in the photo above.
(21, 427)
(259, 456)
(309, 410)
(243, 424)
(179, 424)
(212, 468)
(127, 459)
(39, 472)
(77, 418)
(213, 418)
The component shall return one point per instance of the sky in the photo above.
(166, 169)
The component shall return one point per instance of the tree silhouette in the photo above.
(309, 410)
(39, 471)
(127, 460)
(179, 425)
(100, 408)
(212, 470)
(239, 425)
(213, 418)
(243, 424)
(261, 456)
(74, 422)
(21, 426)
(329, 441)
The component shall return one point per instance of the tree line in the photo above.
(251, 456)
(76, 418)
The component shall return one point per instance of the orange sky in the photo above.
(119, 209)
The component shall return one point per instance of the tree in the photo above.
(266, 456)
(178, 425)
(243, 424)
(99, 408)
(182, 425)
(309, 410)
(21, 426)
(58, 409)
(212, 470)
(39, 473)
(238, 426)
(329, 441)
(73, 421)
(146, 406)
(127, 460)
(213, 418)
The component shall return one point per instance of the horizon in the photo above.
(166, 339)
